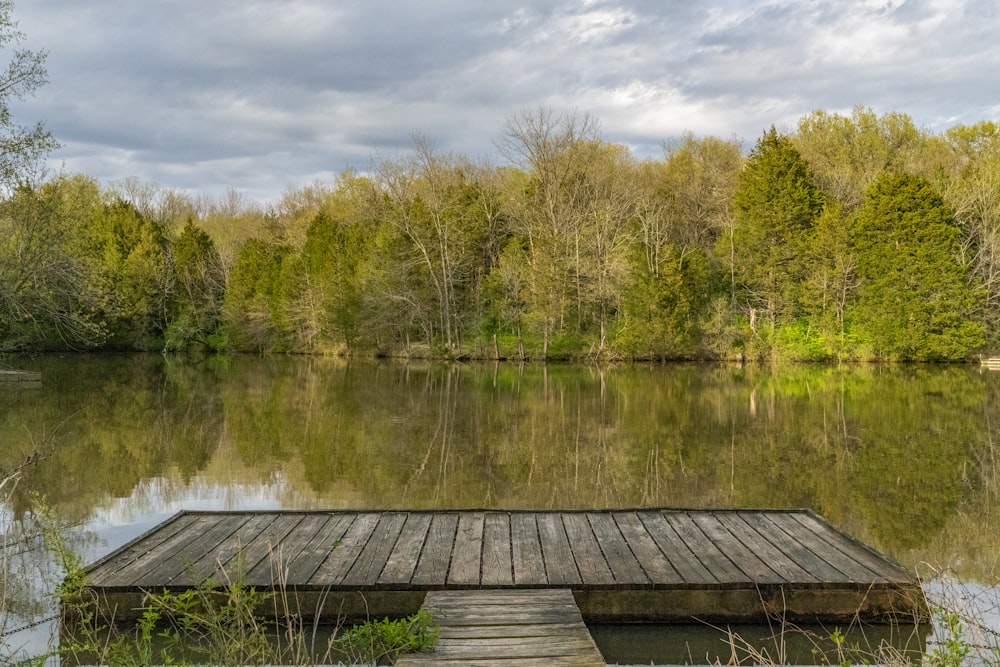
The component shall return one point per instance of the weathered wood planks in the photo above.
(719, 559)
(508, 628)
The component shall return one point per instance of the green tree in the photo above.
(44, 271)
(199, 288)
(915, 301)
(433, 205)
(831, 281)
(573, 213)
(131, 280)
(845, 154)
(252, 312)
(662, 310)
(338, 256)
(684, 207)
(974, 194)
(775, 207)
(21, 147)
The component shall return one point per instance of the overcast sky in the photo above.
(263, 95)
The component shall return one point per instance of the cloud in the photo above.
(262, 95)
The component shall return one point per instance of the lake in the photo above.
(904, 458)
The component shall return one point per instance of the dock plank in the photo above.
(403, 560)
(497, 567)
(508, 628)
(624, 566)
(432, 568)
(163, 572)
(325, 540)
(113, 565)
(560, 566)
(338, 562)
(883, 568)
(851, 570)
(148, 555)
(526, 551)
(211, 565)
(373, 556)
(763, 548)
(676, 550)
(262, 558)
(590, 560)
(717, 564)
(467, 556)
(290, 547)
(742, 556)
(652, 560)
(806, 558)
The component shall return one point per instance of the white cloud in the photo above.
(265, 94)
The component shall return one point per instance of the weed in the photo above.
(387, 639)
(220, 625)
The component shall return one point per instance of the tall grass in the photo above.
(964, 631)
(218, 623)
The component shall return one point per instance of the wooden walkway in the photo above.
(622, 565)
(507, 628)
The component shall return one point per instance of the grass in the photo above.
(214, 624)
(964, 630)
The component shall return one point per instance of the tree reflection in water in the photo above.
(900, 457)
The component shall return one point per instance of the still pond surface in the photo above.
(904, 458)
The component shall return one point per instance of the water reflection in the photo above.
(703, 644)
(900, 457)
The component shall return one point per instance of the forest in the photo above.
(850, 237)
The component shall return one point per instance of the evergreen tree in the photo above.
(199, 287)
(132, 277)
(252, 310)
(335, 254)
(775, 206)
(915, 300)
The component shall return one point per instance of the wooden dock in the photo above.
(640, 565)
(509, 628)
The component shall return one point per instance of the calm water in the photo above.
(905, 458)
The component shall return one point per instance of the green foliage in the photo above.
(799, 341)
(847, 153)
(775, 208)
(196, 305)
(577, 251)
(387, 639)
(336, 257)
(44, 268)
(951, 649)
(252, 308)
(22, 148)
(661, 312)
(915, 301)
(131, 277)
(209, 625)
(830, 284)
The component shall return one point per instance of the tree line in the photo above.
(853, 236)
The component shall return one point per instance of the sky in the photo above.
(263, 96)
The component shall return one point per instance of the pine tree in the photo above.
(915, 300)
(775, 206)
